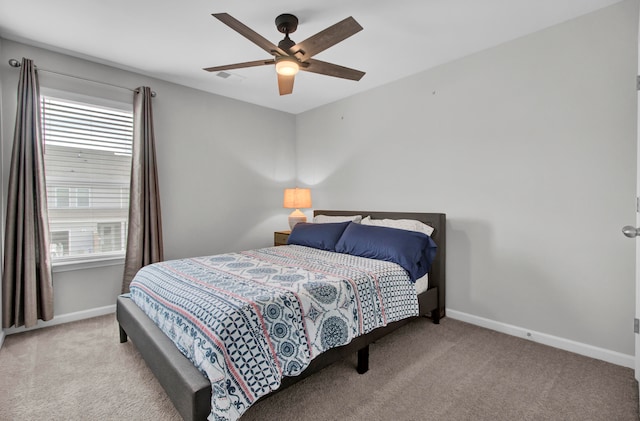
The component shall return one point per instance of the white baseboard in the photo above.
(64, 318)
(543, 338)
(612, 357)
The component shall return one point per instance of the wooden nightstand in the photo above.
(280, 238)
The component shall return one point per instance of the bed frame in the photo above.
(190, 391)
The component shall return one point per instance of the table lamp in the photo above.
(295, 199)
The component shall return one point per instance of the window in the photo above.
(88, 167)
(110, 236)
(64, 197)
(82, 197)
(61, 197)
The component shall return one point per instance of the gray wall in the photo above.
(528, 147)
(530, 150)
(222, 166)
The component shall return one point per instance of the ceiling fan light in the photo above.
(287, 66)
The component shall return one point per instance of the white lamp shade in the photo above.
(297, 198)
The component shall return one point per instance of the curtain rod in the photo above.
(15, 63)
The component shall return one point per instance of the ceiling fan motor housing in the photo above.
(286, 44)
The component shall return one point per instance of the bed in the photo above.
(191, 391)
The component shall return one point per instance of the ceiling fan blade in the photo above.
(249, 33)
(285, 84)
(325, 39)
(239, 65)
(330, 69)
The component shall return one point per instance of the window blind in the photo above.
(87, 170)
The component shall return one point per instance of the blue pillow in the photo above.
(414, 251)
(319, 236)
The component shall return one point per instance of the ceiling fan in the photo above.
(290, 57)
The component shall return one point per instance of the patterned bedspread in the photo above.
(248, 319)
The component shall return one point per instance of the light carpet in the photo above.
(452, 371)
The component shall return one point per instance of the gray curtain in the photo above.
(27, 290)
(144, 239)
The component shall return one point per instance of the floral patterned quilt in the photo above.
(248, 319)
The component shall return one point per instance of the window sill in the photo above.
(86, 264)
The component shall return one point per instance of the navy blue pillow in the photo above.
(414, 251)
(319, 236)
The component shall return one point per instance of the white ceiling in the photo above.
(174, 40)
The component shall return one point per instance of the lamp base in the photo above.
(295, 217)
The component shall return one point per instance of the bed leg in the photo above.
(363, 360)
(435, 316)
(123, 335)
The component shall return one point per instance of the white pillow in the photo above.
(323, 219)
(422, 284)
(403, 224)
